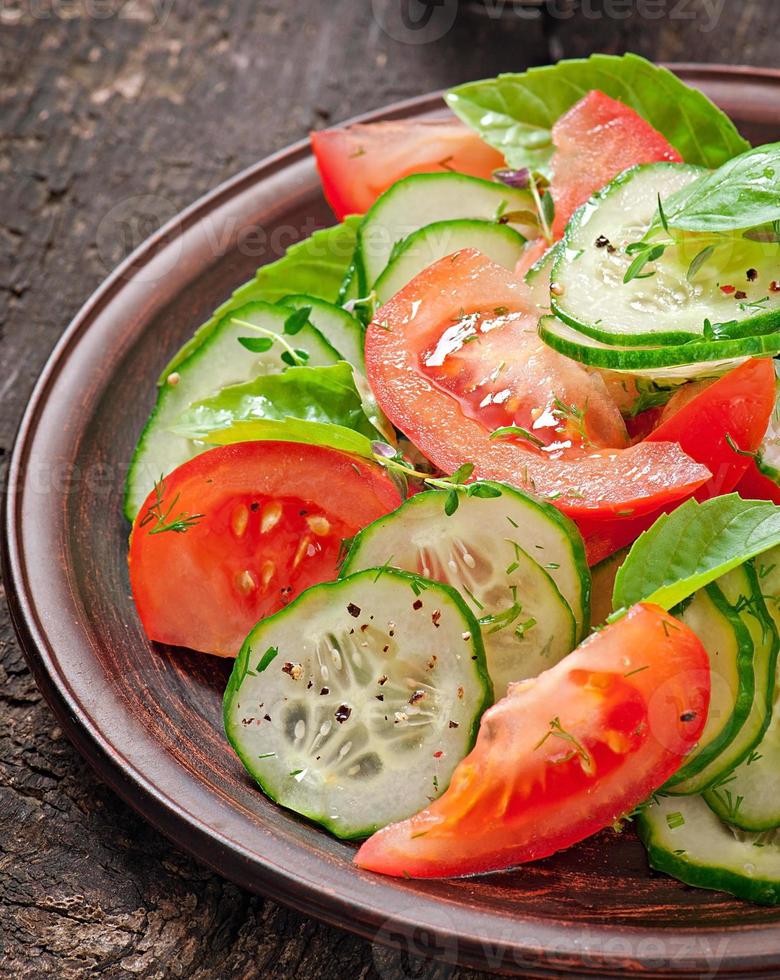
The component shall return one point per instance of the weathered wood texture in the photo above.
(102, 100)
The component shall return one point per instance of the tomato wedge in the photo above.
(597, 139)
(464, 296)
(754, 485)
(254, 524)
(708, 420)
(723, 423)
(562, 755)
(357, 163)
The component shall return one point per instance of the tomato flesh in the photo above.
(597, 139)
(562, 755)
(358, 163)
(755, 485)
(710, 420)
(273, 518)
(404, 331)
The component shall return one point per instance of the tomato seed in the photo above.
(239, 520)
(271, 516)
(319, 525)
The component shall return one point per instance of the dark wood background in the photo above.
(103, 100)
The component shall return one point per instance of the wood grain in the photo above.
(95, 111)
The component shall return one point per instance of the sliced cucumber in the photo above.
(313, 265)
(685, 839)
(501, 552)
(669, 304)
(340, 329)
(742, 591)
(538, 280)
(730, 649)
(216, 362)
(750, 797)
(682, 363)
(422, 248)
(354, 704)
(421, 199)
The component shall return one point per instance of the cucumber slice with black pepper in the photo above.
(218, 361)
(421, 199)
(519, 565)
(354, 704)
(340, 329)
(730, 285)
(729, 646)
(683, 362)
(685, 839)
(422, 248)
(742, 591)
(749, 797)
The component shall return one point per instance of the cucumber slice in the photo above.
(340, 329)
(741, 589)
(354, 704)
(750, 797)
(216, 362)
(667, 306)
(682, 363)
(422, 248)
(730, 649)
(685, 839)
(421, 199)
(538, 279)
(480, 549)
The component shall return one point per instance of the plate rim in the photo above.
(555, 947)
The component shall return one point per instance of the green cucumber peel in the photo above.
(515, 112)
(693, 546)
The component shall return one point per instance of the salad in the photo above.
(479, 486)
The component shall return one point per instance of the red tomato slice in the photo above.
(274, 515)
(596, 140)
(754, 485)
(562, 755)
(699, 417)
(359, 162)
(734, 409)
(434, 311)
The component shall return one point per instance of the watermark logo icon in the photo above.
(415, 21)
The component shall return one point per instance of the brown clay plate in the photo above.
(148, 719)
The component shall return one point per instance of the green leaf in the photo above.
(507, 431)
(257, 345)
(296, 321)
(303, 404)
(451, 502)
(316, 266)
(694, 545)
(515, 113)
(698, 261)
(743, 194)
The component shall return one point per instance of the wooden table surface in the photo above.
(105, 100)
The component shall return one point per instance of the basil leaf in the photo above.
(293, 430)
(315, 266)
(308, 402)
(515, 113)
(743, 194)
(694, 545)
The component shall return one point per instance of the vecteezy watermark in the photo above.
(150, 12)
(427, 21)
(415, 21)
(425, 944)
